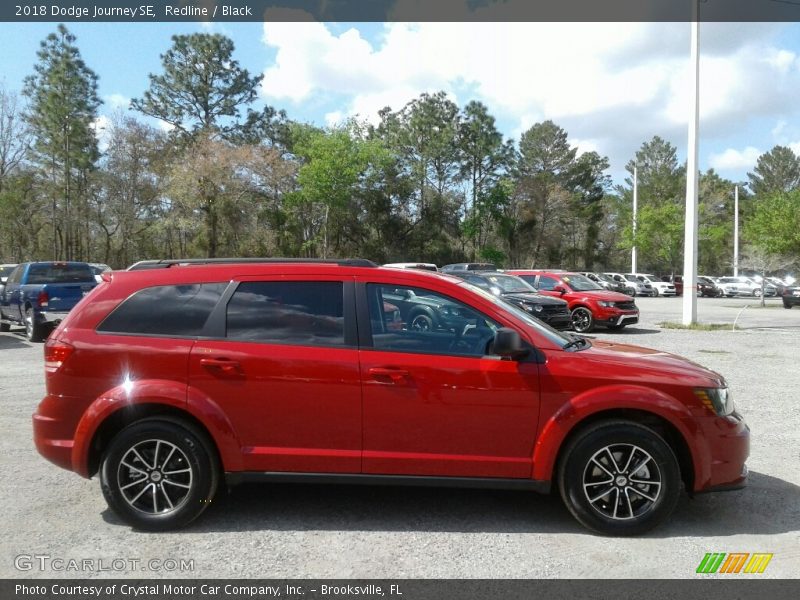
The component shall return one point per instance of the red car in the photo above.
(167, 381)
(589, 303)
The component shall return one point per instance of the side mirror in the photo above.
(560, 289)
(508, 344)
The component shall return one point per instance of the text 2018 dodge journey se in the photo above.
(165, 381)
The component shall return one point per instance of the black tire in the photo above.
(35, 332)
(190, 461)
(582, 320)
(655, 292)
(5, 326)
(787, 305)
(421, 322)
(756, 293)
(639, 507)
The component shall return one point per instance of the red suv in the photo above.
(589, 303)
(167, 380)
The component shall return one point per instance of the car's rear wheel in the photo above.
(757, 293)
(619, 478)
(582, 320)
(157, 475)
(33, 331)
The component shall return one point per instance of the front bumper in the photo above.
(728, 441)
(618, 318)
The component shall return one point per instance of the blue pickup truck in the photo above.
(38, 295)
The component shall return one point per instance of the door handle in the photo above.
(225, 365)
(393, 376)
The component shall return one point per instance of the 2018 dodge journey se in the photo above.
(168, 378)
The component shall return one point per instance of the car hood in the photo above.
(605, 295)
(535, 298)
(663, 363)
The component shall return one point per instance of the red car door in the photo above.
(434, 403)
(285, 372)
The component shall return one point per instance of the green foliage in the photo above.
(63, 107)
(775, 225)
(776, 171)
(202, 87)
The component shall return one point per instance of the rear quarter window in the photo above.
(171, 310)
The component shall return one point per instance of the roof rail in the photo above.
(167, 263)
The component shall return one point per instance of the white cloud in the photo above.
(735, 160)
(116, 101)
(334, 118)
(101, 125)
(612, 85)
(164, 126)
(795, 147)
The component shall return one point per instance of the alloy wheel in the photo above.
(622, 482)
(155, 477)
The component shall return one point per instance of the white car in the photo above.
(416, 265)
(661, 288)
(744, 286)
(634, 285)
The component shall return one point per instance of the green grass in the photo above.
(695, 326)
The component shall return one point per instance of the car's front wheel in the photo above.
(158, 475)
(619, 478)
(582, 320)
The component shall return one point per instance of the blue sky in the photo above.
(611, 86)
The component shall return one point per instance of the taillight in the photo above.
(43, 299)
(56, 354)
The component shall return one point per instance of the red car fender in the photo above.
(612, 398)
(168, 393)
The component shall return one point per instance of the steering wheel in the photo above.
(478, 346)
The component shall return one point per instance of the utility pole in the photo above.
(690, 225)
(736, 231)
(635, 203)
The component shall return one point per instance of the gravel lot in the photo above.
(298, 531)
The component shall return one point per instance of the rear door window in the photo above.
(304, 313)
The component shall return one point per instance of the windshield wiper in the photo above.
(577, 342)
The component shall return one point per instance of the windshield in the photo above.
(632, 278)
(605, 277)
(554, 336)
(580, 283)
(509, 284)
(59, 273)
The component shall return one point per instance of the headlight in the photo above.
(718, 400)
(533, 307)
(605, 303)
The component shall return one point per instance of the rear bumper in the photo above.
(53, 317)
(53, 436)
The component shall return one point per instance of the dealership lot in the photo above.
(314, 531)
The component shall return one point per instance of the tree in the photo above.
(14, 135)
(776, 171)
(484, 157)
(764, 262)
(202, 87)
(63, 108)
(774, 227)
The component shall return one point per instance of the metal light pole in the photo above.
(690, 225)
(635, 203)
(736, 231)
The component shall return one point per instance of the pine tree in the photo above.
(63, 108)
